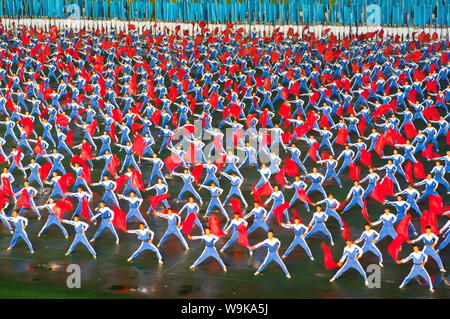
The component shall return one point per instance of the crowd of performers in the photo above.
(153, 110)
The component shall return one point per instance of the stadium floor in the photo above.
(43, 275)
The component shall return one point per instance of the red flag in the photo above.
(197, 173)
(214, 226)
(85, 209)
(86, 174)
(18, 155)
(172, 161)
(291, 167)
(44, 170)
(388, 186)
(120, 219)
(378, 193)
(136, 180)
(429, 153)
(38, 147)
(27, 125)
(63, 206)
(65, 181)
(428, 218)
(419, 171)
(62, 120)
(355, 170)
(280, 176)
(409, 172)
(278, 211)
(113, 164)
(346, 231)
(236, 205)
(264, 190)
(410, 130)
(69, 138)
(402, 227)
(86, 151)
(6, 186)
(242, 236)
(328, 260)
(313, 151)
(395, 246)
(24, 199)
(365, 212)
(139, 145)
(120, 181)
(435, 204)
(187, 224)
(366, 157)
(379, 145)
(155, 200)
(91, 128)
(301, 193)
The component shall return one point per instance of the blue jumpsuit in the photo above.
(369, 237)
(172, 229)
(299, 230)
(272, 254)
(349, 255)
(107, 218)
(145, 236)
(80, 227)
(417, 269)
(19, 222)
(318, 226)
(209, 251)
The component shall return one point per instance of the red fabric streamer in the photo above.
(85, 209)
(44, 170)
(24, 199)
(139, 145)
(328, 260)
(155, 200)
(365, 212)
(136, 180)
(236, 206)
(197, 173)
(214, 226)
(346, 231)
(366, 158)
(63, 206)
(6, 186)
(242, 236)
(428, 218)
(278, 212)
(341, 137)
(409, 172)
(355, 171)
(86, 151)
(172, 161)
(312, 152)
(119, 219)
(66, 181)
(301, 193)
(291, 167)
(419, 171)
(280, 176)
(187, 224)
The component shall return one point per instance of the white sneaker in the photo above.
(256, 273)
(381, 265)
(332, 279)
(288, 276)
(312, 258)
(366, 283)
